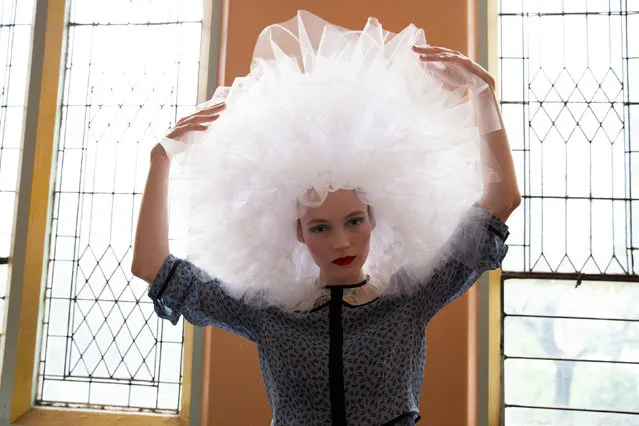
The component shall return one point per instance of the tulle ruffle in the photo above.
(325, 108)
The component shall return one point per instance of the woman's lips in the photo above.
(342, 261)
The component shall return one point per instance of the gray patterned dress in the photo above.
(339, 364)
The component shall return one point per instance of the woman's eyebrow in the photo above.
(355, 213)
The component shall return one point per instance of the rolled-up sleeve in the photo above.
(478, 245)
(181, 288)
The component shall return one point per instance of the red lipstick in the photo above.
(343, 261)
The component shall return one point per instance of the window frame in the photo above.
(489, 360)
(27, 264)
(492, 357)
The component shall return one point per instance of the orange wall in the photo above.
(233, 392)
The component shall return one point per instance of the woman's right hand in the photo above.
(177, 139)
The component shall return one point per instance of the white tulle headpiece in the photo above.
(325, 108)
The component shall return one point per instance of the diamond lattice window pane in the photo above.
(131, 70)
(567, 89)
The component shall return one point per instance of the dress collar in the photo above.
(360, 284)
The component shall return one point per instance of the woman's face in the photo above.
(337, 234)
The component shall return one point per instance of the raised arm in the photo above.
(151, 247)
(479, 242)
(501, 195)
(178, 287)
(152, 235)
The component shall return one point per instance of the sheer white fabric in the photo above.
(326, 108)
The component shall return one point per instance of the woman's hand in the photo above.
(152, 234)
(501, 196)
(196, 122)
(177, 138)
(440, 57)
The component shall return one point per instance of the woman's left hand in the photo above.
(500, 196)
(440, 57)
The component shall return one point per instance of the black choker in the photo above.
(350, 285)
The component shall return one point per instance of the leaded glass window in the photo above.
(569, 80)
(16, 20)
(131, 71)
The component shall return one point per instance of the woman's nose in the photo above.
(341, 240)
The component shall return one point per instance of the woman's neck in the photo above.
(350, 279)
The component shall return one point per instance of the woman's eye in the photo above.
(356, 221)
(318, 229)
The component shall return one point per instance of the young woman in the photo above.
(331, 227)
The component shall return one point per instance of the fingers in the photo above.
(176, 140)
(464, 64)
(181, 130)
(440, 54)
(199, 118)
(435, 50)
(210, 112)
(198, 127)
(444, 57)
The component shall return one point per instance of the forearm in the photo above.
(152, 235)
(501, 193)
